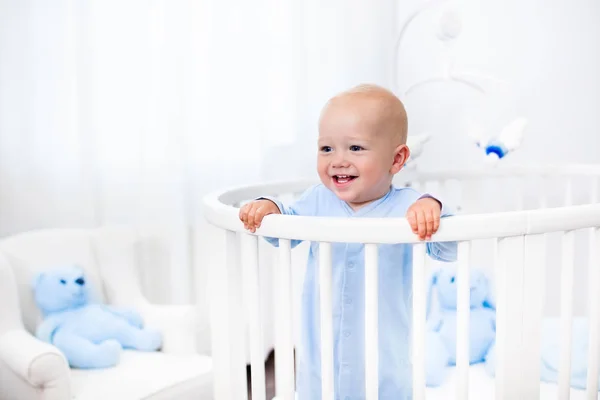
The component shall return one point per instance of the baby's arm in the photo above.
(252, 214)
(424, 217)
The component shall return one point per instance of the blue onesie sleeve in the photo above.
(442, 251)
(306, 205)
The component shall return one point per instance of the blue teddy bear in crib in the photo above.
(440, 350)
(90, 335)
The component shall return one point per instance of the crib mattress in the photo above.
(482, 386)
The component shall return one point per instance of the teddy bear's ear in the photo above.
(37, 279)
(483, 281)
(489, 301)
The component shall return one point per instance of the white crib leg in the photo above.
(371, 323)
(569, 192)
(534, 283)
(419, 320)
(284, 341)
(227, 322)
(501, 318)
(509, 317)
(594, 317)
(252, 303)
(326, 321)
(462, 320)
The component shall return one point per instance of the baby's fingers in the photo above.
(422, 224)
(436, 220)
(430, 222)
(243, 214)
(251, 217)
(259, 215)
(411, 217)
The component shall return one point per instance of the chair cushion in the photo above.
(141, 375)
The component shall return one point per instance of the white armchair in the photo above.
(31, 369)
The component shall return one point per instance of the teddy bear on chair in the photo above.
(90, 335)
(441, 322)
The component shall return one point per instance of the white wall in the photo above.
(548, 50)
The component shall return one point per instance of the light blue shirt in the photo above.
(394, 304)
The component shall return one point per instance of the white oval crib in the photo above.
(512, 213)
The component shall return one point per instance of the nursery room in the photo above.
(299, 200)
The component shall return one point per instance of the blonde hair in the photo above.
(391, 111)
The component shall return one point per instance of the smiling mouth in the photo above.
(341, 179)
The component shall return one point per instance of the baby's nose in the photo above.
(340, 161)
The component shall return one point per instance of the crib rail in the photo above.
(520, 240)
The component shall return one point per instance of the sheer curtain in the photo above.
(130, 111)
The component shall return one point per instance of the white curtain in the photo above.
(130, 111)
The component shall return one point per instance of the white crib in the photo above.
(514, 213)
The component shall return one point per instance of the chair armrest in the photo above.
(177, 323)
(37, 363)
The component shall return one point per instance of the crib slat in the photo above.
(419, 316)
(594, 190)
(509, 315)
(371, 322)
(462, 320)
(284, 343)
(326, 321)
(594, 317)
(469, 195)
(534, 283)
(501, 287)
(417, 185)
(569, 192)
(227, 329)
(520, 187)
(252, 302)
(543, 193)
(566, 313)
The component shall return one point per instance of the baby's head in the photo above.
(362, 143)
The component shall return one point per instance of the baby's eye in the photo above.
(355, 148)
(326, 149)
(452, 280)
(63, 281)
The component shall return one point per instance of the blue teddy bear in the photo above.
(91, 335)
(440, 338)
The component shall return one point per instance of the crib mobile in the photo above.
(449, 28)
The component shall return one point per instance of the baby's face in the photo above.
(357, 156)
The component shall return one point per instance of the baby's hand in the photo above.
(424, 217)
(251, 214)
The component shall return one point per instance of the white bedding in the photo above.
(482, 386)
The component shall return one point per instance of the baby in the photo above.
(362, 145)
